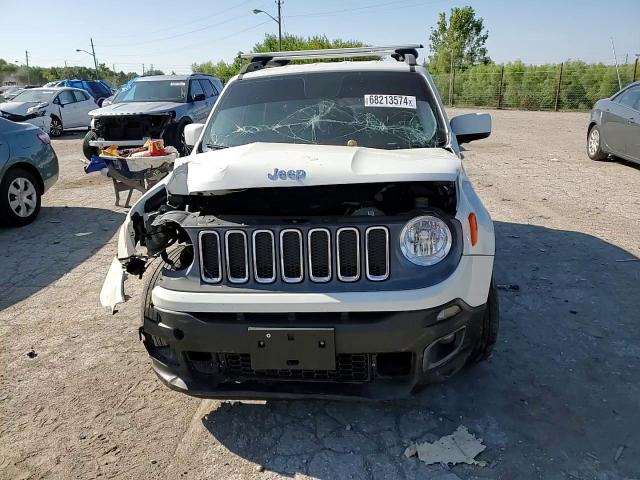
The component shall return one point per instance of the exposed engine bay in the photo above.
(160, 226)
(131, 127)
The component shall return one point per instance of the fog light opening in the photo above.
(442, 350)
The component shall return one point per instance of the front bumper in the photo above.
(387, 354)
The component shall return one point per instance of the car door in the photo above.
(211, 93)
(66, 102)
(198, 101)
(629, 103)
(84, 104)
(613, 125)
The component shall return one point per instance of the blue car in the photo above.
(98, 89)
(157, 107)
(28, 168)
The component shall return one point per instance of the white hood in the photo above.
(17, 108)
(254, 166)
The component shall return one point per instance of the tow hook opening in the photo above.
(393, 364)
(440, 351)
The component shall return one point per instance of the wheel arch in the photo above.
(32, 170)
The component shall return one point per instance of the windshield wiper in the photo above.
(215, 146)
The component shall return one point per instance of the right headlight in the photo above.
(425, 240)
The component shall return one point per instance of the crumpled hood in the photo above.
(259, 165)
(135, 108)
(17, 108)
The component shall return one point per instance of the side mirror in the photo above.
(57, 101)
(192, 133)
(471, 126)
(199, 97)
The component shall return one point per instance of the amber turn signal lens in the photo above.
(473, 227)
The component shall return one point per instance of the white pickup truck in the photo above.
(321, 240)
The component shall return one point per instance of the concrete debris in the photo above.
(459, 447)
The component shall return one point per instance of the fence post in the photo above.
(635, 70)
(500, 88)
(558, 87)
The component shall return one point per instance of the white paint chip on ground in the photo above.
(83, 234)
(459, 447)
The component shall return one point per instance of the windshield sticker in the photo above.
(178, 84)
(389, 101)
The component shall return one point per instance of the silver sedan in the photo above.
(614, 127)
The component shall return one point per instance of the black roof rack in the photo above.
(259, 60)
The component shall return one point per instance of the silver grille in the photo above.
(294, 255)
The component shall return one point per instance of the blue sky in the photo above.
(172, 35)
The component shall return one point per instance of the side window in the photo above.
(80, 96)
(208, 88)
(66, 97)
(631, 98)
(196, 89)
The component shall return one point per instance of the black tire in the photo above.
(56, 128)
(26, 211)
(87, 149)
(182, 147)
(99, 102)
(594, 145)
(491, 323)
(152, 277)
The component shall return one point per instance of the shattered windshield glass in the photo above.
(387, 110)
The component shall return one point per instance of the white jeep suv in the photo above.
(322, 239)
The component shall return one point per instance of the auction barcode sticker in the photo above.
(392, 101)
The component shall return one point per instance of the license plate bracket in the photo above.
(292, 348)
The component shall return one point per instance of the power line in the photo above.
(216, 14)
(153, 40)
(163, 52)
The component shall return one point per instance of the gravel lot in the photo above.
(560, 398)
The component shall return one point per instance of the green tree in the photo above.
(460, 40)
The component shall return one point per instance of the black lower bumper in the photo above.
(378, 355)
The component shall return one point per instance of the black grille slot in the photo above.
(291, 255)
(320, 255)
(237, 268)
(350, 368)
(264, 256)
(348, 240)
(377, 253)
(211, 260)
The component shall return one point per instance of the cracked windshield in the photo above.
(388, 110)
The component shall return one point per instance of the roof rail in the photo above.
(259, 60)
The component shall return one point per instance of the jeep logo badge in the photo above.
(287, 174)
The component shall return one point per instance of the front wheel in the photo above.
(183, 147)
(490, 324)
(594, 144)
(19, 198)
(55, 129)
(87, 149)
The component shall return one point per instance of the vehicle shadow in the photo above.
(59, 240)
(558, 399)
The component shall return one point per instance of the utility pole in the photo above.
(277, 20)
(143, 69)
(26, 56)
(95, 60)
(280, 24)
(615, 59)
(635, 67)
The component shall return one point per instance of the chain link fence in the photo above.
(568, 86)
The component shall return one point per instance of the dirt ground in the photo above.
(560, 398)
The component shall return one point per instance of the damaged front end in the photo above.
(132, 130)
(145, 234)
